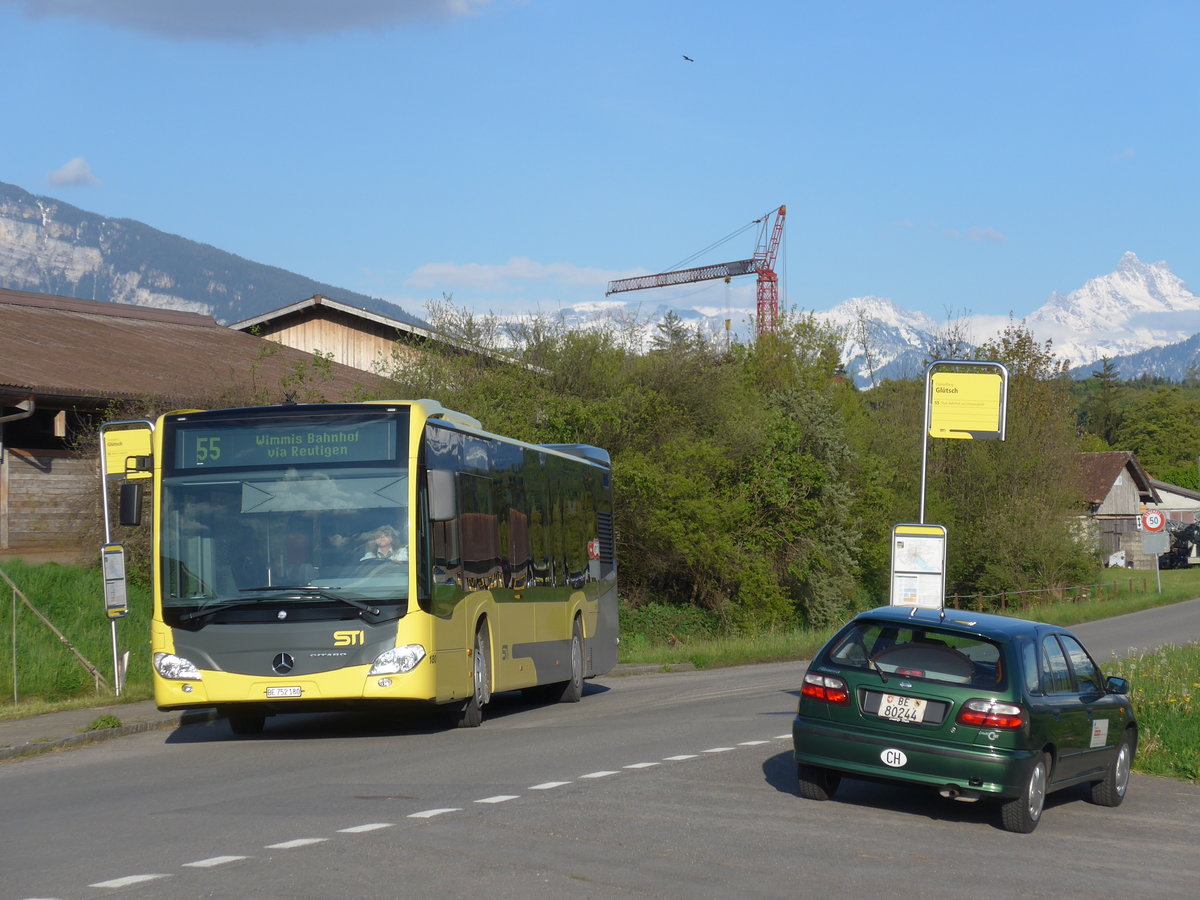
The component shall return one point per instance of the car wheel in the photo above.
(1023, 814)
(570, 691)
(471, 715)
(1110, 791)
(816, 783)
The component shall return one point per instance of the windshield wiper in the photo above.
(308, 589)
(216, 608)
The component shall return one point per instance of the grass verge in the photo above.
(1165, 689)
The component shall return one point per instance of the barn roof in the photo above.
(285, 313)
(1100, 471)
(60, 349)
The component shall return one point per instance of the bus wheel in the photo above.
(570, 691)
(471, 715)
(246, 722)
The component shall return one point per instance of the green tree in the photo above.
(1102, 408)
(1161, 426)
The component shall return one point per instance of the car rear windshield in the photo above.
(918, 651)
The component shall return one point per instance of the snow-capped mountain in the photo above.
(1134, 308)
(881, 339)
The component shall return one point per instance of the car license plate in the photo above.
(285, 691)
(902, 709)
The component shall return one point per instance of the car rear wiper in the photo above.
(871, 664)
(282, 591)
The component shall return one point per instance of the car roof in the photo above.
(987, 624)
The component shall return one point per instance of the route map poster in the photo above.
(919, 566)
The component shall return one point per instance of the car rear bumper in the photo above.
(970, 769)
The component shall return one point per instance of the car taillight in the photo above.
(990, 714)
(826, 688)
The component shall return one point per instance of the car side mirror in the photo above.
(1115, 685)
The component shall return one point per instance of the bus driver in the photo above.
(384, 543)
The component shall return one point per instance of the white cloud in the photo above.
(976, 235)
(239, 20)
(76, 173)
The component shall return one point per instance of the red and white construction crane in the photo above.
(762, 263)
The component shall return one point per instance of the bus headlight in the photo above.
(168, 665)
(398, 660)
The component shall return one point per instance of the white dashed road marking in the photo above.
(430, 813)
(548, 785)
(298, 842)
(499, 798)
(602, 774)
(359, 829)
(681, 757)
(214, 861)
(640, 765)
(127, 881)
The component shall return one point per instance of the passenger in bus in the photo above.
(385, 542)
(298, 556)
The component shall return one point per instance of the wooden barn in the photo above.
(1118, 491)
(346, 334)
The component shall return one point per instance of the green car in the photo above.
(971, 705)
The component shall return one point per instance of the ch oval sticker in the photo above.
(894, 758)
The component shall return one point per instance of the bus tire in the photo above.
(571, 691)
(471, 715)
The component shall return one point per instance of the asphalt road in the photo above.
(665, 785)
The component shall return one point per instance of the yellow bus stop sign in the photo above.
(967, 406)
(121, 446)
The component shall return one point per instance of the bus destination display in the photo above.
(219, 446)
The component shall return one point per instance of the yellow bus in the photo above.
(335, 556)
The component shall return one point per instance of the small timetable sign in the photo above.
(918, 566)
(212, 445)
(112, 559)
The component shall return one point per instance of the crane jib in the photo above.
(684, 276)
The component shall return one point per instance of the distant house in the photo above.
(1118, 490)
(63, 362)
(1180, 504)
(346, 334)
(1182, 508)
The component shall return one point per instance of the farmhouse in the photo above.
(1118, 490)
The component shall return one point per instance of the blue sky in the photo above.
(955, 157)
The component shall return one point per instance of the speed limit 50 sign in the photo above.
(1153, 520)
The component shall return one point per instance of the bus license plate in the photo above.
(284, 691)
(902, 709)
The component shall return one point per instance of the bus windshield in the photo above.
(245, 540)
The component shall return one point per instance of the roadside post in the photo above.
(125, 451)
(964, 400)
(1154, 539)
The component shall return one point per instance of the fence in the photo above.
(1021, 599)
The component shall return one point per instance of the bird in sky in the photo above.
(688, 58)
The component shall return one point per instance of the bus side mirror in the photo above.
(131, 504)
(443, 501)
